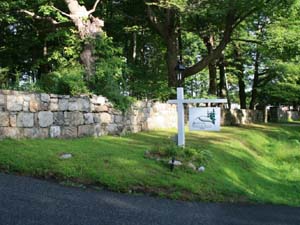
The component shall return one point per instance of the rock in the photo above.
(63, 104)
(58, 118)
(73, 105)
(86, 130)
(53, 106)
(45, 118)
(118, 119)
(35, 132)
(73, 118)
(100, 108)
(201, 169)
(4, 119)
(85, 105)
(175, 163)
(34, 104)
(26, 106)
(105, 118)
(99, 100)
(192, 166)
(10, 132)
(88, 118)
(69, 132)
(55, 131)
(45, 98)
(14, 103)
(66, 156)
(112, 129)
(25, 119)
(13, 120)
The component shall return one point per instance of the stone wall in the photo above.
(278, 114)
(31, 115)
(241, 116)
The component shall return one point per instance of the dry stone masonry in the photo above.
(32, 115)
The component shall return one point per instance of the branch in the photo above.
(230, 20)
(158, 27)
(61, 12)
(247, 40)
(35, 16)
(94, 7)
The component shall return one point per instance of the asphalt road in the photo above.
(28, 201)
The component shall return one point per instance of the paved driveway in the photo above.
(27, 201)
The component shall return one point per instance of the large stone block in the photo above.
(55, 131)
(105, 118)
(14, 103)
(86, 130)
(25, 119)
(85, 105)
(73, 118)
(73, 105)
(58, 118)
(26, 106)
(99, 100)
(100, 108)
(13, 120)
(45, 98)
(10, 132)
(45, 118)
(34, 104)
(88, 118)
(35, 132)
(63, 104)
(4, 119)
(69, 132)
(118, 119)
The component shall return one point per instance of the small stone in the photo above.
(201, 169)
(66, 156)
(192, 166)
(175, 163)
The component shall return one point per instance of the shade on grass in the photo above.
(248, 164)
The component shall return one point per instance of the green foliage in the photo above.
(110, 78)
(66, 80)
(193, 154)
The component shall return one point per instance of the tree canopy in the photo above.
(244, 50)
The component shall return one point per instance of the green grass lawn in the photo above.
(247, 164)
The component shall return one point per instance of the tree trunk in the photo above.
(242, 93)
(255, 81)
(171, 58)
(222, 84)
(240, 76)
(89, 28)
(212, 89)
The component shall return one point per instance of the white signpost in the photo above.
(180, 111)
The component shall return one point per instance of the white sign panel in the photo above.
(207, 118)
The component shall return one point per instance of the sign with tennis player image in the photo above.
(207, 119)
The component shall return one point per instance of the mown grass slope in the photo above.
(258, 163)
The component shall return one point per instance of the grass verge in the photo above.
(246, 164)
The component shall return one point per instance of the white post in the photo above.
(180, 111)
